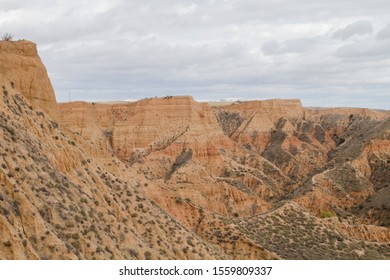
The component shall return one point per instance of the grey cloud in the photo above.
(300, 45)
(271, 48)
(361, 27)
(384, 33)
(365, 49)
(301, 11)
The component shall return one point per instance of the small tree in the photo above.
(7, 37)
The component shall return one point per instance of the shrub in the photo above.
(7, 37)
(15, 208)
(327, 214)
(148, 255)
(76, 244)
(33, 239)
(108, 133)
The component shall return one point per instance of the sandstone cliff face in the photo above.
(22, 69)
(180, 142)
(162, 121)
(278, 131)
(93, 122)
(259, 119)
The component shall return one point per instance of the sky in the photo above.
(328, 53)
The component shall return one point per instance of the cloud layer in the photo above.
(358, 28)
(328, 53)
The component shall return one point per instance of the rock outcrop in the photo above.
(22, 69)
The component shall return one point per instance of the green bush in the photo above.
(327, 214)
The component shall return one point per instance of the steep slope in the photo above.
(58, 201)
(294, 233)
(356, 170)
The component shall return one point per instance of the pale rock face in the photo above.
(259, 119)
(161, 121)
(168, 125)
(21, 69)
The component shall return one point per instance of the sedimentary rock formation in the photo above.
(22, 69)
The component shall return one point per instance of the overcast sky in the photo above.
(325, 52)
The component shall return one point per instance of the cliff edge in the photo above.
(22, 70)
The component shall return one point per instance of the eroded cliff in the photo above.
(22, 69)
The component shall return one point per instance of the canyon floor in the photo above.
(172, 178)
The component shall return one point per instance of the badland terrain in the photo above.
(172, 178)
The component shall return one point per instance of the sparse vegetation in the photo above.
(7, 37)
(327, 214)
